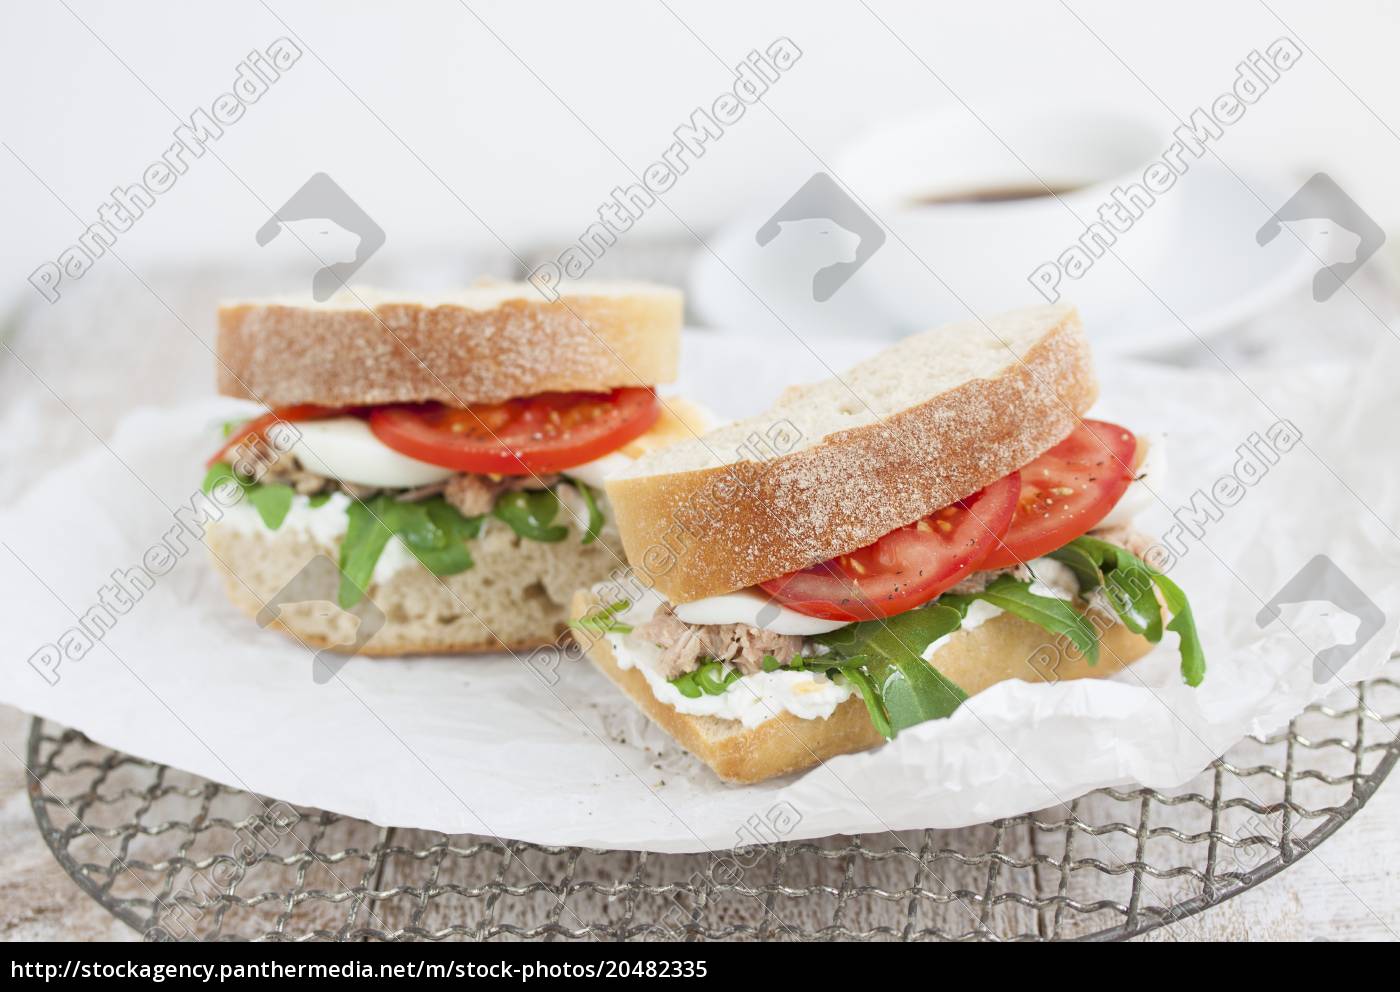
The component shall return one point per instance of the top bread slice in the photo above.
(485, 344)
(836, 465)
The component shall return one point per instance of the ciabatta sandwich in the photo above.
(447, 456)
(877, 548)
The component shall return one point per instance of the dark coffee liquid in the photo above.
(999, 194)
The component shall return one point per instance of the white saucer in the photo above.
(1216, 277)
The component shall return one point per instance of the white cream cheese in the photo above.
(978, 613)
(323, 525)
(752, 700)
(1053, 579)
(1049, 578)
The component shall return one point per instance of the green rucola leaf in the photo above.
(364, 541)
(1193, 656)
(531, 514)
(272, 501)
(1054, 615)
(1129, 583)
(904, 688)
(595, 514)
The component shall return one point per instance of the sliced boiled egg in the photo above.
(750, 607)
(344, 448)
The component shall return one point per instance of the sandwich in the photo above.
(431, 471)
(877, 548)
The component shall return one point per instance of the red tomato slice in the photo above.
(1066, 491)
(260, 426)
(531, 435)
(907, 567)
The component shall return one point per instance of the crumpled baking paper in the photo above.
(484, 745)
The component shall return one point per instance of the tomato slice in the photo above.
(539, 434)
(906, 567)
(258, 427)
(1066, 491)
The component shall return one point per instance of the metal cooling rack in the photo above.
(176, 856)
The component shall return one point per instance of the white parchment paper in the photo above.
(484, 746)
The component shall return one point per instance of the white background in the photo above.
(431, 112)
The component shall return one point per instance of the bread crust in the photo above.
(714, 530)
(1004, 647)
(491, 345)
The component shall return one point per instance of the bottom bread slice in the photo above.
(516, 595)
(1004, 647)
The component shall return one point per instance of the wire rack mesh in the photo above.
(179, 857)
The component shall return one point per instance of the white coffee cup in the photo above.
(972, 224)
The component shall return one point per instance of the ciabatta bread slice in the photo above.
(836, 465)
(1004, 647)
(482, 345)
(515, 597)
